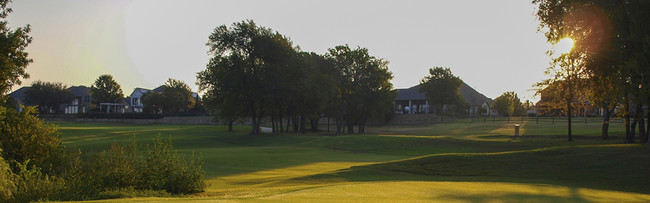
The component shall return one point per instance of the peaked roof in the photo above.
(19, 94)
(410, 94)
(79, 91)
(471, 96)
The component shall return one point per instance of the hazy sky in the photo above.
(492, 45)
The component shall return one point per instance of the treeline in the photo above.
(257, 74)
(607, 67)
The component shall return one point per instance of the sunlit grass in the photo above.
(463, 161)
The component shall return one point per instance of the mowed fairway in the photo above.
(455, 162)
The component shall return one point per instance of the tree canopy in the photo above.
(106, 90)
(610, 53)
(509, 104)
(13, 54)
(441, 87)
(257, 73)
(48, 96)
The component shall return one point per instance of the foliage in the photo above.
(7, 185)
(24, 137)
(48, 96)
(153, 102)
(177, 96)
(161, 169)
(243, 57)
(364, 87)
(132, 115)
(610, 52)
(33, 185)
(106, 90)
(441, 87)
(509, 104)
(13, 54)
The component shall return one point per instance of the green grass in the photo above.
(463, 161)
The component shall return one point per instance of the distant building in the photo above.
(135, 99)
(410, 101)
(81, 101)
(19, 97)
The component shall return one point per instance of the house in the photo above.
(81, 102)
(19, 97)
(135, 99)
(410, 101)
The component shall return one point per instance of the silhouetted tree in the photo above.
(177, 96)
(49, 96)
(13, 54)
(441, 87)
(105, 90)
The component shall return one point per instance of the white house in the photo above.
(136, 99)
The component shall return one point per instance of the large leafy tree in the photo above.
(611, 44)
(509, 104)
(106, 90)
(178, 96)
(49, 96)
(243, 58)
(13, 55)
(363, 84)
(441, 87)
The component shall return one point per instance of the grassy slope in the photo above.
(418, 162)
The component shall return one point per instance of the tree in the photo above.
(243, 56)
(49, 96)
(177, 96)
(611, 44)
(106, 90)
(13, 54)
(509, 104)
(153, 102)
(441, 87)
(363, 83)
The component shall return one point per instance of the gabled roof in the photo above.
(409, 94)
(19, 94)
(79, 91)
(473, 97)
(159, 89)
(470, 95)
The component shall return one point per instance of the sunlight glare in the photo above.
(564, 46)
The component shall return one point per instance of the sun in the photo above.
(564, 46)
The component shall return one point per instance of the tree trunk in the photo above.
(629, 138)
(569, 117)
(605, 129)
(303, 120)
(350, 127)
(314, 125)
(230, 122)
(295, 122)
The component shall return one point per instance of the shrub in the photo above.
(33, 185)
(25, 137)
(7, 185)
(164, 169)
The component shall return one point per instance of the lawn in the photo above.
(468, 160)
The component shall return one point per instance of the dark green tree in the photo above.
(13, 54)
(106, 90)
(509, 104)
(153, 102)
(441, 87)
(177, 96)
(48, 96)
(363, 86)
(249, 55)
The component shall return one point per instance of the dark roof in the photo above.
(79, 91)
(470, 95)
(159, 89)
(409, 94)
(473, 97)
(19, 94)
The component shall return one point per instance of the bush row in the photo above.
(115, 173)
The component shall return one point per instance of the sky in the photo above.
(493, 46)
